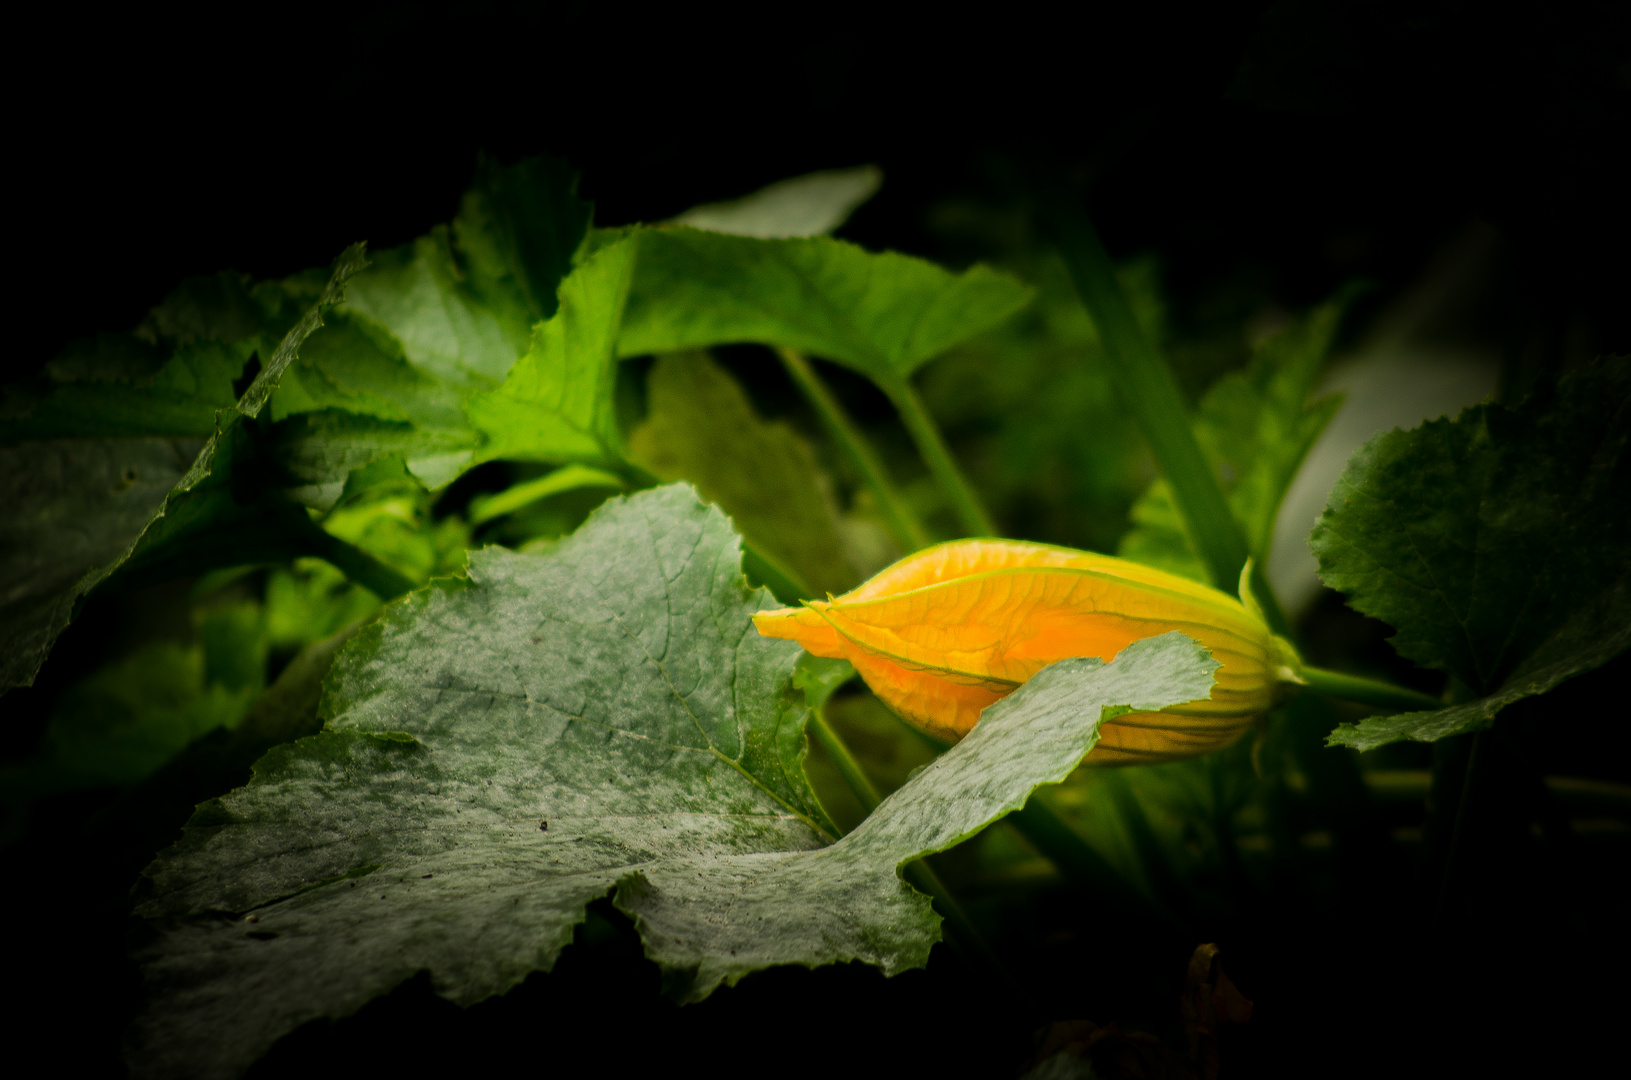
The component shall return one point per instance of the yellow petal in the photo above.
(804, 626)
(945, 632)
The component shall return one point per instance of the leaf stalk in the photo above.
(971, 513)
(358, 565)
(1367, 691)
(907, 529)
(1147, 385)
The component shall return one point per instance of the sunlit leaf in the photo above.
(1498, 545)
(557, 404)
(436, 322)
(601, 719)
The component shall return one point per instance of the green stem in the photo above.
(918, 872)
(1151, 393)
(1367, 691)
(866, 793)
(909, 532)
(920, 425)
(783, 581)
(1080, 864)
(358, 565)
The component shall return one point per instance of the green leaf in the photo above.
(440, 320)
(127, 719)
(124, 720)
(74, 506)
(557, 405)
(1255, 427)
(700, 427)
(1498, 545)
(81, 509)
(98, 389)
(462, 302)
(316, 452)
(518, 229)
(168, 377)
(601, 718)
(884, 315)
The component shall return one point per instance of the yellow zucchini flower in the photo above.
(945, 632)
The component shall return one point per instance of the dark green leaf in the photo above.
(603, 718)
(73, 508)
(172, 374)
(1032, 408)
(885, 315)
(81, 509)
(317, 451)
(1498, 545)
(518, 229)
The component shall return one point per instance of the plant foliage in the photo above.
(501, 753)
(1498, 544)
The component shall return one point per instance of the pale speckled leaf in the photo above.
(615, 689)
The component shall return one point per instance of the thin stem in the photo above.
(866, 793)
(1151, 393)
(918, 872)
(1076, 859)
(909, 532)
(358, 565)
(783, 581)
(920, 425)
(1367, 691)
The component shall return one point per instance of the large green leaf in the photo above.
(557, 404)
(701, 427)
(603, 718)
(78, 510)
(1498, 545)
(1255, 426)
(885, 315)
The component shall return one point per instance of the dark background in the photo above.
(1308, 142)
(1297, 146)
